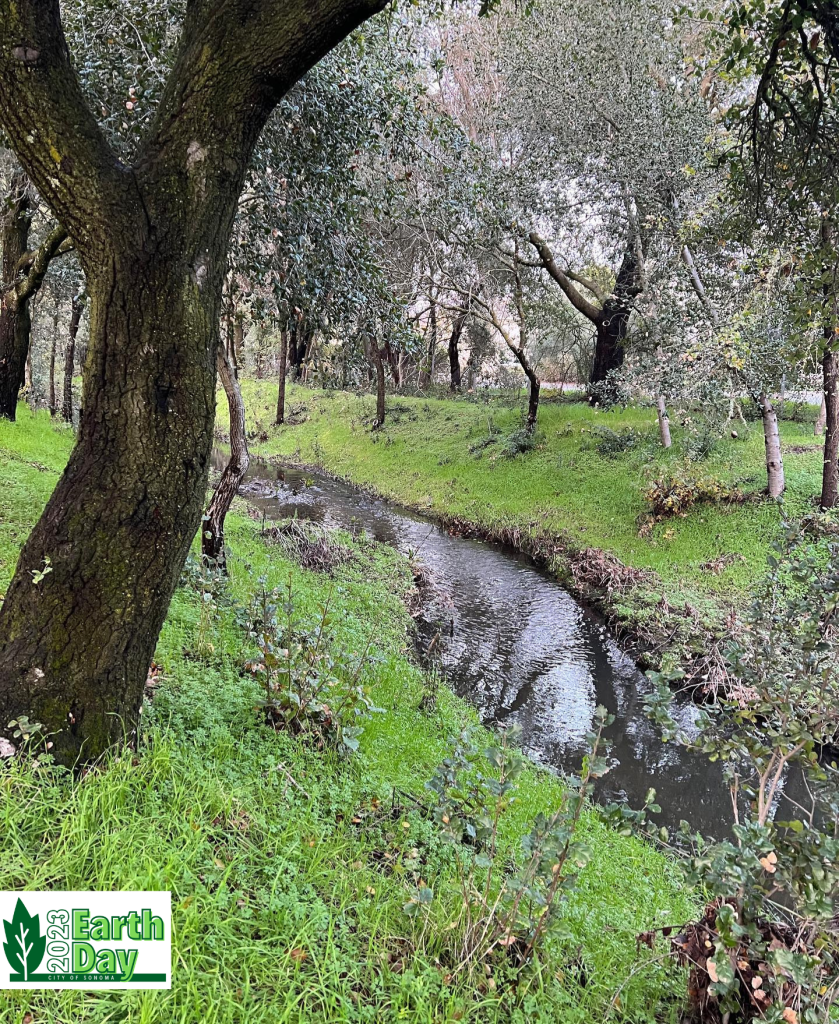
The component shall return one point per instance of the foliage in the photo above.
(767, 946)
(675, 491)
(509, 903)
(283, 905)
(611, 444)
(519, 442)
(312, 686)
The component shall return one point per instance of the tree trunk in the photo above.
(393, 363)
(82, 614)
(613, 323)
(663, 422)
(427, 375)
(454, 351)
(533, 401)
(212, 534)
(821, 419)
(76, 645)
(76, 310)
(380, 385)
(53, 348)
(830, 472)
(282, 374)
(772, 442)
(15, 323)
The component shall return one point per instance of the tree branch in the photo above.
(577, 300)
(50, 124)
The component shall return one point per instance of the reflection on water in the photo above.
(518, 647)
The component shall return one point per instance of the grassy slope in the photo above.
(565, 487)
(280, 913)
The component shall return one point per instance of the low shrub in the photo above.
(675, 491)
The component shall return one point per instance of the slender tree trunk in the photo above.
(212, 532)
(533, 401)
(280, 418)
(663, 422)
(830, 472)
(15, 323)
(772, 443)
(76, 310)
(293, 351)
(378, 362)
(454, 351)
(427, 374)
(53, 348)
(393, 363)
(821, 419)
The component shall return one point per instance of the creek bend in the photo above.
(516, 645)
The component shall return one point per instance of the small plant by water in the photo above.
(311, 685)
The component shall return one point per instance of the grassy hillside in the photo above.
(450, 458)
(284, 908)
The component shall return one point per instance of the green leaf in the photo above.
(24, 945)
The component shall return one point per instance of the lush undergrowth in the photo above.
(286, 903)
(578, 484)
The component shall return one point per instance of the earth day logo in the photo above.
(24, 946)
(90, 940)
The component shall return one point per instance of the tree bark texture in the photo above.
(379, 363)
(53, 352)
(663, 422)
(830, 472)
(212, 530)
(280, 418)
(772, 444)
(455, 382)
(15, 323)
(76, 310)
(152, 238)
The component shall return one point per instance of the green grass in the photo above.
(563, 488)
(281, 911)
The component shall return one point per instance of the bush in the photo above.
(701, 442)
(508, 901)
(675, 492)
(767, 946)
(610, 444)
(311, 683)
(518, 443)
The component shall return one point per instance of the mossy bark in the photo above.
(15, 323)
(76, 641)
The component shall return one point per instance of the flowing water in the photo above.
(519, 648)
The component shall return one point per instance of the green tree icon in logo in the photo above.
(24, 945)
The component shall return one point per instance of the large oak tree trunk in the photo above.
(772, 444)
(830, 472)
(114, 535)
(76, 641)
(212, 535)
(15, 324)
(280, 418)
